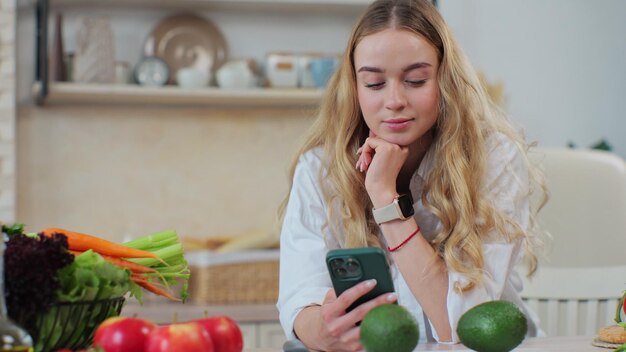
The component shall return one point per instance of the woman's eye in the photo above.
(374, 85)
(417, 83)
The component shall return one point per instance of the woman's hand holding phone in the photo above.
(363, 280)
(338, 328)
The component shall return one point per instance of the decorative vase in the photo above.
(94, 59)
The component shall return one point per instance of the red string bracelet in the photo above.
(405, 240)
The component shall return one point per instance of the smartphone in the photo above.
(349, 266)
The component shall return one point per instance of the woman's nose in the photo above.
(395, 98)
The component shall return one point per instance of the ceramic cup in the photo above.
(235, 74)
(189, 77)
(322, 69)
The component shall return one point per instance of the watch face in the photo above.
(152, 71)
(405, 202)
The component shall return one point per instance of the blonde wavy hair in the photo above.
(452, 190)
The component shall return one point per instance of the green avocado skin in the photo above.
(494, 326)
(389, 327)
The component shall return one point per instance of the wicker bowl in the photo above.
(69, 325)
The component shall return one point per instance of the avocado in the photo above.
(389, 327)
(494, 326)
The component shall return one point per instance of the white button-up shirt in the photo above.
(306, 237)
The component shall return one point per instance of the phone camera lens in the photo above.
(336, 263)
(352, 265)
(341, 272)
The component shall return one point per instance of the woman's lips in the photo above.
(397, 124)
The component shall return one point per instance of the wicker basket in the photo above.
(249, 277)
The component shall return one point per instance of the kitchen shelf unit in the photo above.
(69, 93)
(237, 5)
(45, 91)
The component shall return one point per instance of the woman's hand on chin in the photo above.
(382, 162)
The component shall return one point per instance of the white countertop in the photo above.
(537, 344)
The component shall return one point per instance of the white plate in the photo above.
(186, 40)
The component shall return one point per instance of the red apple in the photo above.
(185, 337)
(225, 333)
(123, 334)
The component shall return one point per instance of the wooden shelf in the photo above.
(53, 92)
(273, 5)
(74, 93)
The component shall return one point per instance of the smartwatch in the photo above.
(401, 208)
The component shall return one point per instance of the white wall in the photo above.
(563, 63)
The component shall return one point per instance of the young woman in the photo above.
(405, 117)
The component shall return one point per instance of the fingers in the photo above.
(329, 311)
(334, 308)
(330, 296)
(366, 153)
(352, 294)
(341, 330)
(359, 312)
(353, 334)
(345, 327)
(363, 162)
(352, 339)
(356, 315)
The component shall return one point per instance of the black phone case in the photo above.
(373, 265)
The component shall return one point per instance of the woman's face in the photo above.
(396, 73)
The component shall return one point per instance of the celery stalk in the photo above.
(171, 255)
(154, 241)
(171, 266)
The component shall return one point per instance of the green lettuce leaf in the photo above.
(92, 277)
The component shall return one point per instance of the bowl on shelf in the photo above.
(69, 324)
(189, 77)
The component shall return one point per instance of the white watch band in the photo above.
(388, 213)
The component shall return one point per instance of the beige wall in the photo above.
(128, 171)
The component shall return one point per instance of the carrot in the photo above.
(124, 264)
(81, 242)
(153, 288)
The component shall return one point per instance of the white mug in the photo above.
(189, 77)
(235, 74)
